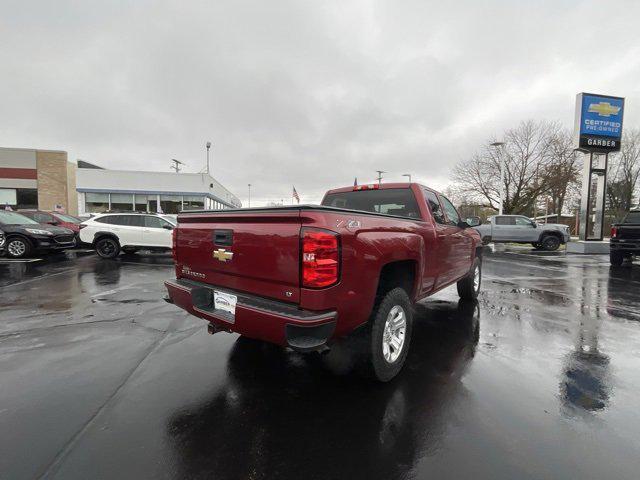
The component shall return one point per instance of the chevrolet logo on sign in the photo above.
(604, 109)
(222, 255)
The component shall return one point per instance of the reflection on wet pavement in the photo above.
(101, 378)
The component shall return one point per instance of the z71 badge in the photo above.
(348, 224)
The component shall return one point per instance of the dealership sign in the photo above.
(598, 125)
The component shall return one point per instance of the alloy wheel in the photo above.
(107, 247)
(16, 248)
(393, 336)
(476, 278)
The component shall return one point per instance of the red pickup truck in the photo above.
(301, 276)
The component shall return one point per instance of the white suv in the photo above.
(109, 233)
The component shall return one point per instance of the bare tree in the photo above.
(538, 159)
(624, 174)
(562, 172)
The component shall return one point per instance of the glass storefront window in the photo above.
(171, 203)
(7, 197)
(122, 202)
(193, 202)
(27, 198)
(140, 202)
(152, 203)
(96, 202)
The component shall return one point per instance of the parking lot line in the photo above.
(20, 260)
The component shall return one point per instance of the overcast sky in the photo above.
(304, 93)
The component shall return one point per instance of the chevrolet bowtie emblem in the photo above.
(604, 109)
(222, 255)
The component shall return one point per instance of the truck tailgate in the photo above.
(252, 252)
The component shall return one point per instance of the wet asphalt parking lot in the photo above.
(100, 378)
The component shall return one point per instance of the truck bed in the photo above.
(284, 208)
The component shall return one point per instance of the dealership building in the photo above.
(31, 178)
(45, 179)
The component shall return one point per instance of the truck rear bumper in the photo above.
(631, 245)
(256, 317)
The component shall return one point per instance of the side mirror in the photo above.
(534, 224)
(473, 221)
(167, 227)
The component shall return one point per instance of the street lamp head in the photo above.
(208, 145)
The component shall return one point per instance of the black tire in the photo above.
(550, 243)
(486, 240)
(616, 258)
(376, 365)
(468, 288)
(18, 247)
(107, 247)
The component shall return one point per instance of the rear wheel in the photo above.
(550, 243)
(107, 247)
(18, 247)
(469, 286)
(616, 258)
(388, 335)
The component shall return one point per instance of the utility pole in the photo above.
(380, 172)
(407, 175)
(208, 147)
(176, 165)
(249, 185)
(500, 148)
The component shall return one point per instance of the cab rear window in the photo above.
(632, 217)
(400, 202)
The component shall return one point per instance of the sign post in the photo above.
(598, 131)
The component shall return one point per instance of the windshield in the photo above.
(67, 218)
(13, 218)
(172, 219)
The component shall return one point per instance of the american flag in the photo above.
(295, 195)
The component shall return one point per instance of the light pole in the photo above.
(380, 172)
(407, 175)
(249, 185)
(500, 148)
(208, 147)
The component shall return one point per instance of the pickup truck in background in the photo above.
(301, 276)
(521, 229)
(625, 238)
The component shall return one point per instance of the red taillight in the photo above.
(614, 232)
(174, 243)
(320, 258)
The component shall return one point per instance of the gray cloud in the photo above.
(303, 93)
